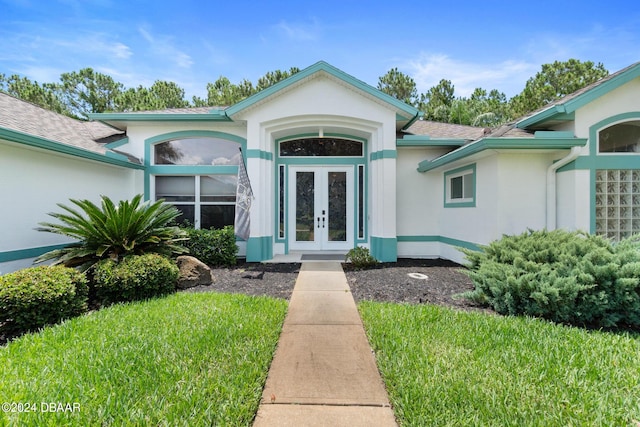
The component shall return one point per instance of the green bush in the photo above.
(111, 232)
(213, 247)
(39, 296)
(360, 257)
(134, 277)
(567, 277)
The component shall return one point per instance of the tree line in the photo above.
(86, 91)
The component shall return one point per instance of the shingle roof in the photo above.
(580, 92)
(445, 130)
(18, 115)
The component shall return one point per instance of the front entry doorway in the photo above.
(321, 208)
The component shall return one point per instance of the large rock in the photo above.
(193, 272)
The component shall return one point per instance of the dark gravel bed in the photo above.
(387, 282)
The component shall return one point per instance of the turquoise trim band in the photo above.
(441, 239)
(47, 144)
(29, 252)
(384, 154)
(259, 154)
(427, 141)
(384, 249)
(212, 115)
(118, 143)
(259, 248)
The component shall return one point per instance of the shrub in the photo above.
(213, 247)
(110, 231)
(39, 296)
(135, 277)
(566, 277)
(360, 257)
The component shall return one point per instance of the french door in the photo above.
(321, 208)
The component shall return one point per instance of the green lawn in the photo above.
(188, 359)
(446, 367)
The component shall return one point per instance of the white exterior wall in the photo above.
(572, 200)
(33, 181)
(522, 194)
(419, 203)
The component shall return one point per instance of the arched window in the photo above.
(197, 152)
(321, 147)
(620, 138)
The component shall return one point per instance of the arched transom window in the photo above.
(321, 147)
(197, 152)
(620, 138)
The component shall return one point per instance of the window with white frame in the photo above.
(205, 201)
(460, 187)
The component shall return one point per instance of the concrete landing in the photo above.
(323, 372)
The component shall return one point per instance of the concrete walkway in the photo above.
(323, 372)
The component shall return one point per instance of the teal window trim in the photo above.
(469, 202)
(153, 170)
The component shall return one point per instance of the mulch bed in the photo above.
(387, 282)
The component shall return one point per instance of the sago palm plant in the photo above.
(110, 231)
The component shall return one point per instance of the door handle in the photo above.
(318, 222)
(323, 222)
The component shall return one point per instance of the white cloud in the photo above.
(120, 50)
(299, 31)
(508, 76)
(163, 46)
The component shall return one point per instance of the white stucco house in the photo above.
(334, 163)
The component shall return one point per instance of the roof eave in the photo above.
(108, 157)
(542, 141)
(570, 106)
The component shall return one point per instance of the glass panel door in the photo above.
(305, 206)
(337, 213)
(321, 210)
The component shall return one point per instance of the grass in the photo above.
(451, 368)
(188, 359)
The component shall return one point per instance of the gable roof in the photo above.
(29, 124)
(563, 108)
(404, 112)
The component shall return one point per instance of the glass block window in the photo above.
(617, 203)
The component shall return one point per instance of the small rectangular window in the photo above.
(460, 187)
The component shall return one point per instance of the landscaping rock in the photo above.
(193, 272)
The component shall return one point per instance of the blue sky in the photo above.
(488, 44)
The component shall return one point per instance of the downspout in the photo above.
(551, 185)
